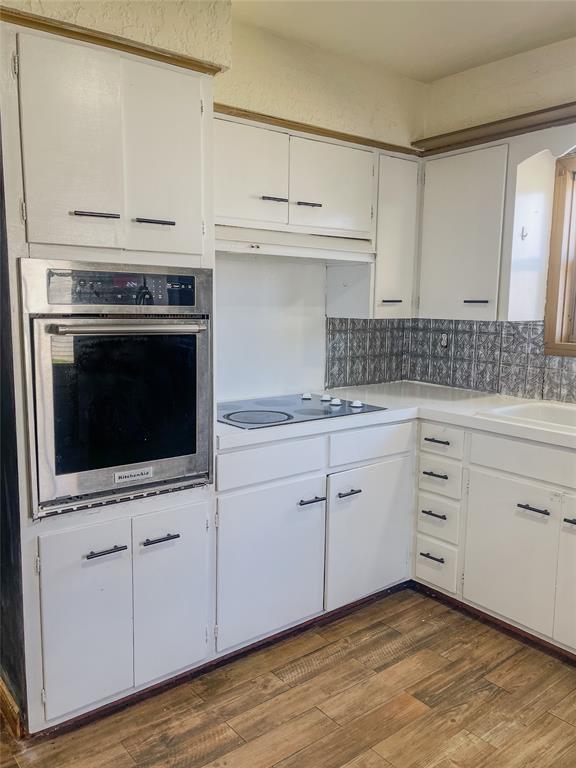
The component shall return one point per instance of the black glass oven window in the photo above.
(123, 400)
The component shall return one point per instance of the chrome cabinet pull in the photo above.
(434, 474)
(476, 301)
(315, 500)
(433, 514)
(437, 441)
(534, 509)
(351, 492)
(168, 537)
(428, 556)
(570, 520)
(273, 199)
(165, 222)
(309, 205)
(103, 552)
(96, 214)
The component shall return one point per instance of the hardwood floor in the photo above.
(406, 682)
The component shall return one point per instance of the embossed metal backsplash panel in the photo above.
(503, 357)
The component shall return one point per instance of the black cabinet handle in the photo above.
(351, 492)
(428, 556)
(96, 214)
(391, 301)
(436, 440)
(433, 514)
(315, 500)
(168, 537)
(570, 520)
(165, 222)
(103, 552)
(273, 199)
(534, 509)
(309, 205)
(434, 474)
(476, 301)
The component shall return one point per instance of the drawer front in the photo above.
(446, 441)
(270, 462)
(535, 461)
(436, 563)
(440, 476)
(371, 443)
(438, 517)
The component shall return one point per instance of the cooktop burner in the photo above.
(272, 411)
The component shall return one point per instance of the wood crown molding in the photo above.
(562, 114)
(293, 125)
(106, 40)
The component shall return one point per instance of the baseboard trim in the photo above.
(10, 711)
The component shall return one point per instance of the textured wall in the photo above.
(299, 82)
(533, 80)
(199, 29)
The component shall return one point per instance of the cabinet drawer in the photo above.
(372, 443)
(440, 476)
(447, 441)
(438, 517)
(436, 563)
(270, 462)
(536, 461)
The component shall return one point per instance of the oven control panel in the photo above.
(68, 286)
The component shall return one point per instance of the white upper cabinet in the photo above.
(396, 237)
(250, 174)
(112, 149)
(71, 112)
(331, 187)
(163, 158)
(461, 235)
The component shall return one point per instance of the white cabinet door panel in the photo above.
(163, 158)
(512, 551)
(86, 600)
(331, 187)
(461, 234)
(250, 174)
(368, 530)
(565, 615)
(396, 237)
(171, 590)
(270, 559)
(70, 102)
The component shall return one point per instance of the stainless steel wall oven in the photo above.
(119, 376)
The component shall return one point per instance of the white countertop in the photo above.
(405, 400)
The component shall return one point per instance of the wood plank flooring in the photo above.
(405, 682)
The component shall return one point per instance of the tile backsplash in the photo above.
(503, 357)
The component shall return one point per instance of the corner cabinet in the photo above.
(462, 234)
(112, 148)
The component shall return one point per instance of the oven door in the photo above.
(120, 403)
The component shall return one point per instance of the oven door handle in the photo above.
(125, 330)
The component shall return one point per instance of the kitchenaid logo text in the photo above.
(133, 474)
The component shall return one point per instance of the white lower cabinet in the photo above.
(512, 549)
(368, 530)
(171, 590)
(270, 559)
(565, 614)
(86, 602)
(436, 563)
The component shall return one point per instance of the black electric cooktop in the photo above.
(288, 409)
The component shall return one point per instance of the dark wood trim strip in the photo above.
(293, 125)
(10, 711)
(501, 625)
(106, 40)
(561, 114)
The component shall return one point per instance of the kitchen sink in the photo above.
(545, 414)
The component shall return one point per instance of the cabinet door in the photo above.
(565, 615)
(70, 103)
(250, 174)
(86, 601)
(331, 187)
(368, 530)
(512, 550)
(396, 237)
(163, 158)
(461, 235)
(171, 590)
(270, 559)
